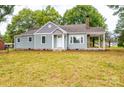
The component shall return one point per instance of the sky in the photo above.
(111, 20)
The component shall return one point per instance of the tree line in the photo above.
(119, 11)
(28, 19)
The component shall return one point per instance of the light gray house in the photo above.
(52, 37)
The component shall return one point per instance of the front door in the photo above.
(59, 41)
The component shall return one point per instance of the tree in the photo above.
(5, 10)
(28, 19)
(119, 10)
(121, 39)
(111, 37)
(108, 38)
(20, 23)
(78, 14)
(50, 14)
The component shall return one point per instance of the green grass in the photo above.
(67, 68)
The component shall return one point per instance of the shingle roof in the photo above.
(81, 28)
(74, 28)
(49, 27)
(29, 32)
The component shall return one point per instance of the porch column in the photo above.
(99, 41)
(52, 41)
(103, 41)
(88, 41)
(63, 37)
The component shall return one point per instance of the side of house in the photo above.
(24, 42)
(44, 41)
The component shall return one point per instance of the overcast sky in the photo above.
(111, 20)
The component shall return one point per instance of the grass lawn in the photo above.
(67, 68)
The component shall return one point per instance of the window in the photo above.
(43, 40)
(82, 39)
(49, 26)
(71, 38)
(18, 40)
(76, 39)
(30, 39)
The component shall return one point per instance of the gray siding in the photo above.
(24, 42)
(65, 41)
(55, 41)
(78, 46)
(38, 44)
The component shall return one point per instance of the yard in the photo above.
(67, 68)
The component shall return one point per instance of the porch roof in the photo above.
(76, 28)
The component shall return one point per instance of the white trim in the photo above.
(63, 36)
(99, 41)
(41, 39)
(77, 32)
(57, 27)
(103, 41)
(70, 39)
(73, 38)
(28, 38)
(17, 40)
(42, 27)
(96, 33)
(63, 39)
(42, 33)
(83, 39)
(52, 41)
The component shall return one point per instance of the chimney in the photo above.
(87, 22)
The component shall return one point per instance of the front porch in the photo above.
(58, 42)
(96, 41)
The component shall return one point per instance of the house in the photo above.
(1, 43)
(52, 37)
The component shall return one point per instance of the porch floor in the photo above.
(94, 49)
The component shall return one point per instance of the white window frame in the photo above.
(83, 40)
(17, 40)
(70, 39)
(41, 39)
(28, 39)
(73, 39)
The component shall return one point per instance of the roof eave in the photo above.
(23, 35)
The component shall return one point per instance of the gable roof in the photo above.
(74, 28)
(47, 28)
